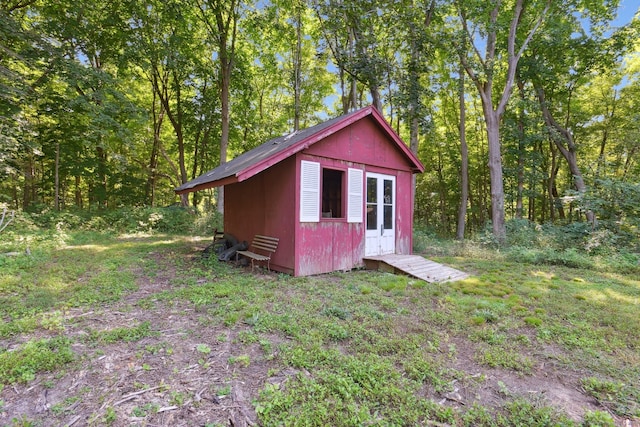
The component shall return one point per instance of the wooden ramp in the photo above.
(416, 266)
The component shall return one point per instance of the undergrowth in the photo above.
(350, 348)
(573, 245)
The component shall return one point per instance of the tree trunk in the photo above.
(224, 137)
(609, 116)
(101, 155)
(495, 176)
(521, 151)
(226, 45)
(561, 136)
(464, 161)
(160, 83)
(78, 192)
(484, 84)
(375, 96)
(56, 202)
(353, 94)
(158, 117)
(27, 194)
(442, 192)
(297, 70)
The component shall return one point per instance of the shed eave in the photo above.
(206, 185)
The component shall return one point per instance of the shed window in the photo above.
(332, 185)
(324, 189)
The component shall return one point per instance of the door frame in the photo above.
(382, 240)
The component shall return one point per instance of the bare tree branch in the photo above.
(2, 220)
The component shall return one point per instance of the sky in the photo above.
(626, 11)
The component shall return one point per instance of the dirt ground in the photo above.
(172, 379)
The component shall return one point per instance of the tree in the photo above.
(352, 32)
(484, 69)
(221, 20)
(464, 159)
(559, 67)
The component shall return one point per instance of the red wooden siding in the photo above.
(404, 213)
(331, 244)
(265, 204)
(269, 202)
(334, 244)
(361, 143)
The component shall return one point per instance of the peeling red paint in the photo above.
(268, 202)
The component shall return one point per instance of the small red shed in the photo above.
(333, 194)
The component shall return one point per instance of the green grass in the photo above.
(357, 348)
(124, 334)
(22, 365)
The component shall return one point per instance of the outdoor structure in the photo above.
(332, 194)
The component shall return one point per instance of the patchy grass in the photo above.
(140, 317)
(22, 364)
(124, 334)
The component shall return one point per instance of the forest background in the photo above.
(524, 112)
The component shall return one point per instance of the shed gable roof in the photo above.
(277, 149)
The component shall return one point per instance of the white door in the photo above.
(381, 215)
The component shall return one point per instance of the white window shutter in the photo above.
(355, 199)
(309, 191)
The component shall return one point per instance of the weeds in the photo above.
(23, 364)
(619, 397)
(123, 334)
(359, 348)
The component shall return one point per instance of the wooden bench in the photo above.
(265, 244)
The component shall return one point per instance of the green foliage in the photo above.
(532, 321)
(207, 222)
(341, 356)
(505, 357)
(598, 419)
(351, 391)
(22, 365)
(619, 397)
(171, 219)
(143, 411)
(242, 361)
(124, 334)
(617, 206)
(203, 348)
(521, 412)
(110, 416)
(338, 312)
(573, 245)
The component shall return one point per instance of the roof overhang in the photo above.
(287, 149)
(207, 185)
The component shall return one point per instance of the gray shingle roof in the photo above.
(270, 149)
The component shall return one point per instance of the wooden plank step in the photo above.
(415, 266)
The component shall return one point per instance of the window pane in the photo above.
(372, 190)
(372, 217)
(388, 217)
(388, 192)
(332, 193)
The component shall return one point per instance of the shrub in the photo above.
(172, 219)
(206, 222)
(522, 232)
